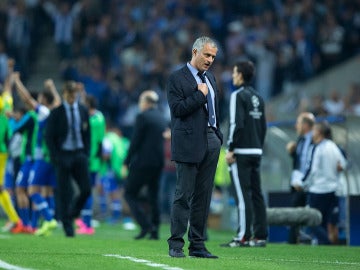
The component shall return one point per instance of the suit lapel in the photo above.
(63, 113)
(189, 77)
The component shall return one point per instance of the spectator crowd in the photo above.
(119, 48)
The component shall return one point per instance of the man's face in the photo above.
(317, 137)
(204, 58)
(142, 103)
(299, 126)
(236, 77)
(70, 97)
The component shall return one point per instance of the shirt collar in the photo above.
(67, 105)
(193, 70)
(308, 135)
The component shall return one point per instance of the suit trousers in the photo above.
(194, 185)
(137, 179)
(71, 165)
(298, 199)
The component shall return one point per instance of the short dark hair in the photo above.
(325, 129)
(91, 101)
(48, 95)
(20, 107)
(70, 87)
(247, 69)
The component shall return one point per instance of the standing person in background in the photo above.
(247, 132)
(145, 161)
(195, 143)
(168, 178)
(97, 131)
(323, 180)
(64, 16)
(299, 152)
(337, 225)
(42, 174)
(6, 104)
(67, 136)
(27, 127)
(114, 151)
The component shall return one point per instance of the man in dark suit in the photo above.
(300, 152)
(67, 136)
(145, 161)
(196, 140)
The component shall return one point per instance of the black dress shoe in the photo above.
(154, 235)
(202, 253)
(176, 253)
(68, 228)
(141, 235)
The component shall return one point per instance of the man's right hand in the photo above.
(298, 188)
(290, 147)
(230, 157)
(203, 88)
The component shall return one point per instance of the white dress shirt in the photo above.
(324, 176)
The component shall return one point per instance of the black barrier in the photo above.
(354, 220)
(278, 233)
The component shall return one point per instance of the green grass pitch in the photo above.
(112, 247)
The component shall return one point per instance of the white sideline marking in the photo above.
(4, 265)
(146, 262)
(315, 261)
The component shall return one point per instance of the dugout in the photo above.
(276, 170)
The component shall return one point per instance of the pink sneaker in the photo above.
(28, 229)
(85, 230)
(80, 223)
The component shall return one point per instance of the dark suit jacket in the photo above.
(146, 148)
(189, 116)
(57, 129)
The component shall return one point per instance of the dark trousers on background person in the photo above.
(193, 192)
(249, 197)
(137, 179)
(71, 165)
(326, 203)
(298, 199)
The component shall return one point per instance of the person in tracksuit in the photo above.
(247, 132)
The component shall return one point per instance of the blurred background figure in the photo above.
(323, 181)
(41, 180)
(97, 133)
(67, 136)
(6, 105)
(111, 181)
(299, 152)
(145, 161)
(168, 179)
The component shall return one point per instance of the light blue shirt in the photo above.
(194, 72)
(304, 157)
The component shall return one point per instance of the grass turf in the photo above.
(114, 248)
